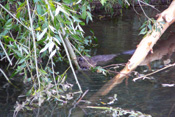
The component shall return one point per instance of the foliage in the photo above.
(35, 31)
(109, 5)
(150, 25)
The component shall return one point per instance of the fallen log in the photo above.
(144, 47)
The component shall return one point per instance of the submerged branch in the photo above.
(166, 67)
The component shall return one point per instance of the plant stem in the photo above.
(67, 53)
(7, 78)
(5, 53)
(72, 53)
(34, 43)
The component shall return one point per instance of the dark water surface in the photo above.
(148, 96)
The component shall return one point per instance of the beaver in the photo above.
(86, 63)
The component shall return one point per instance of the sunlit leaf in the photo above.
(45, 48)
(103, 1)
(56, 40)
(78, 1)
(38, 29)
(39, 37)
(52, 53)
(51, 45)
(25, 50)
(52, 28)
(57, 11)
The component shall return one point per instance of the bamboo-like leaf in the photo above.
(57, 11)
(89, 15)
(51, 45)
(76, 19)
(52, 28)
(39, 37)
(52, 54)
(78, 2)
(83, 15)
(5, 53)
(56, 40)
(25, 50)
(45, 48)
(144, 24)
(103, 1)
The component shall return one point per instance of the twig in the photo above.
(5, 53)
(143, 10)
(172, 108)
(121, 64)
(149, 5)
(171, 65)
(81, 97)
(7, 78)
(54, 76)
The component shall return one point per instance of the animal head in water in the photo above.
(86, 62)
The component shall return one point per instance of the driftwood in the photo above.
(144, 47)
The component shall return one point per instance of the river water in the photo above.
(147, 96)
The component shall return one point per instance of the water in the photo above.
(148, 96)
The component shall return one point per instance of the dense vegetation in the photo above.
(45, 31)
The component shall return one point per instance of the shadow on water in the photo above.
(147, 96)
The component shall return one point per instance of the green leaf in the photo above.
(83, 15)
(144, 24)
(39, 9)
(45, 48)
(76, 19)
(22, 60)
(40, 36)
(42, 71)
(143, 31)
(36, 1)
(120, 2)
(8, 24)
(103, 2)
(150, 26)
(89, 15)
(52, 54)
